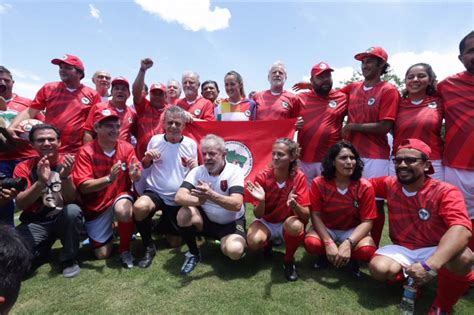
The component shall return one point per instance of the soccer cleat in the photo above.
(290, 271)
(127, 260)
(190, 263)
(71, 269)
(321, 263)
(147, 259)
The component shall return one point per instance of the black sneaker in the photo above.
(321, 263)
(190, 263)
(290, 271)
(354, 268)
(147, 259)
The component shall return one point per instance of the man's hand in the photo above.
(189, 117)
(256, 191)
(331, 251)
(343, 255)
(291, 201)
(68, 164)
(135, 169)
(190, 162)
(115, 170)
(43, 170)
(301, 86)
(345, 131)
(419, 274)
(146, 64)
(6, 195)
(151, 155)
(299, 123)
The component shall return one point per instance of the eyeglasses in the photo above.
(54, 187)
(407, 160)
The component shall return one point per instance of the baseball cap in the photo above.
(121, 80)
(158, 86)
(378, 52)
(320, 68)
(418, 145)
(104, 113)
(70, 60)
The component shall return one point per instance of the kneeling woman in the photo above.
(282, 204)
(342, 210)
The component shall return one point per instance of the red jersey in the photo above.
(422, 121)
(323, 118)
(275, 107)
(92, 163)
(457, 92)
(276, 209)
(343, 211)
(201, 108)
(421, 220)
(371, 106)
(150, 123)
(23, 149)
(66, 111)
(128, 120)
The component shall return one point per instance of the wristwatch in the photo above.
(109, 180)
(353, 244)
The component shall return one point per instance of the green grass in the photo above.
(217, 285)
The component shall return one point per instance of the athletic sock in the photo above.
(450, 288)
(292, 243)
(188, 233)
(144, 228)
(399, 277)
(314, 245)
(125, 231)
(364, 253)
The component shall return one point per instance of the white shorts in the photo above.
(100, 229)
(276, 229)
(310, 170)
(464, 180)
(437, 165)
(340, 236)
(404, 256)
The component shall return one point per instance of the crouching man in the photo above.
(211, 197)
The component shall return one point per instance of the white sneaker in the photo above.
(127, 259)
(71, 270)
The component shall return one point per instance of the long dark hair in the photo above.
(431, 88)
(328, 167)
(294, 151)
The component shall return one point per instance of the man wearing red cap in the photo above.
(323, 110)
(276, 103)
(67, 103)
(128, 117)
(429, 227)
(198, 107)
(103, 173)
(457, 93)
(372, 108)
(149, 112)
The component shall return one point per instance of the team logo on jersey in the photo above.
(130, 120)
(356, 204)
(332, 104)
(106, 112)
(285, 105)
(247, 113)
(239, 154)
(123, 166)
(85, 101)
(224, 185)
(424, 214)
(432, 105)
(197, 112)
(371, 101)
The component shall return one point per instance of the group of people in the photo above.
(95, 158)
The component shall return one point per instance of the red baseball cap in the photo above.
(320, 68)
(121, 80)
(418, 145)
(70, 60)
(158, 86)
(104, 113)
(378, 52)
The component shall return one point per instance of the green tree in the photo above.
(390, 76)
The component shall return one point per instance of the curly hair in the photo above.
(294, 152)
(328, 166)
(431, 88)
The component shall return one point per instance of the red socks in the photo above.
(364, 253)
(125, 231)
(292, 243)
(314, 245)
(450, 288)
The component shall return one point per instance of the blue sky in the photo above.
(214, 37)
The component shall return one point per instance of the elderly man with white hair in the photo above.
(198, 107)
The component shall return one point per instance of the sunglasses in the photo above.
(407, 160)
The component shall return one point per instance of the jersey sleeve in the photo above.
(315, 196)
(301, 190)
(83, 168)
(296, 107)
(368, 206)
(236, 182)
(453, 209)
(347, 89)
(390, 100)
(39, 101)
(190, 181)
(22, 171)
(208, 112)
(380, 188)
(89, 124)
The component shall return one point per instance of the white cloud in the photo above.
(22, 74)
(26, 89)
(95, 13)
(5, 7)
(194, 15)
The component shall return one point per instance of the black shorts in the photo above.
(218, 231)
(167, 223)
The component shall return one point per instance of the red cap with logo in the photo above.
(158, 86)
(320, 68)
(105, 113)
(70, 60)
(121, 80)
(418, 145)
(378, 52)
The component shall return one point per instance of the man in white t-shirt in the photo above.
(211, 197)
(168, 159)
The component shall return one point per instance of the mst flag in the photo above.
(248, 143)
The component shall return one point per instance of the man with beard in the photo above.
(173, 92)
(429, 227)
(67, 103)
(458, 96)
(101, 80)
(211, 197)
(322, 110)
(276, 103)
(48, 209)
(198, 107)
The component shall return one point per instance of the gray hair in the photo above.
(277, 64)
(190, 73)
(175, 110)
(218, 141)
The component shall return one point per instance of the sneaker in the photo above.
(127, 259)
(147, 259)
(71, 269)
(354, 268)
(290, 271)
(190, 263)
(435, 310)
(321, 263)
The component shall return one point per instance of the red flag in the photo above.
(248, 143)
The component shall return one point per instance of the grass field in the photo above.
(217, 286)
